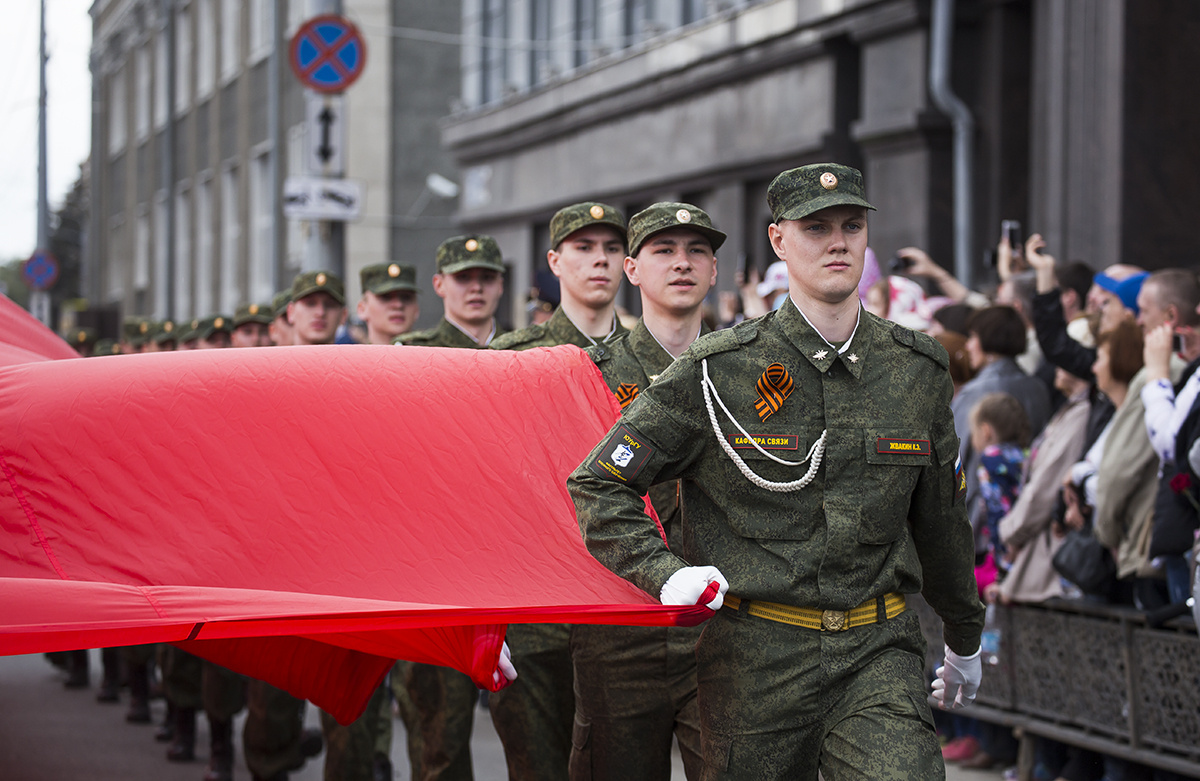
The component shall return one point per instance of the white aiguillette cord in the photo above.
(815, 454)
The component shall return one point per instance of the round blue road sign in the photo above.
(328, 53)
(40, 272)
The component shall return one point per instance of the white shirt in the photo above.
(1165, 413)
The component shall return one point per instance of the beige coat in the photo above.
(1026, 527)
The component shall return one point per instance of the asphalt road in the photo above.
(50, 733)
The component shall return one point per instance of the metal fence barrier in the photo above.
(1094, 676)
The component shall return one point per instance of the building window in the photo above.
(261, 29)
(162, 294)
(262, 224)
(541, 59)
(116, 269)
(204, 248)
(587, 32)
(183, 257)
(295, 166)
(231, 233)
(141, 254)
(160, 79)
(231, 25)
(142, 94)
(494, 70)
(116, 112)
(206, 49)
(183, 58)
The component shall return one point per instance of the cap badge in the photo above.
(254, 309)
(321, 279)
(81, 337)
(168, 326)
(195, 324)
(471, 245)
(597, 211)
(219, 322)
(774, 386)
(828, 181)
(143, 327)
(683, 215)
(394, 270)
(625, 393)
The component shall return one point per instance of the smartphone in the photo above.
(1011, 229)
(1176, 343)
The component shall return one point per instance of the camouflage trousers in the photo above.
(782, 702)
(222, 692)
(273, 729)
(534, 715)
(444, 700)
(182, 673)
(350, 749)
(635, 691)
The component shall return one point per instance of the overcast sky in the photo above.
(68, 88)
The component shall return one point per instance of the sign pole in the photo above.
(319, 249)
(39, 299)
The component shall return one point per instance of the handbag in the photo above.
(1083, 560)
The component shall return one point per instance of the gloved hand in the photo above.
(957, 680)
(687, 587)
(504, 673)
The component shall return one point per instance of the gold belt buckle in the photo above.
(833, 620)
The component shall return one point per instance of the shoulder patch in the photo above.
(517, 338)
(415, 337)
(724, 340)
(922, 343)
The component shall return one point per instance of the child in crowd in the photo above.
(1000, 433)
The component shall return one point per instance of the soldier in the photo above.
(814, 665)
(317, 308)
(534, 716)
(189, 336)
(133, 334)
(635, 687)
(280, 329)
(214, 332)
(162, 337)
(252, 326)
(106, 347)
(470, 282)
(389, 301)
(82, 340)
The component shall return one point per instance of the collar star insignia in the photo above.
(819, 355)
(653, 377)
(852, 358)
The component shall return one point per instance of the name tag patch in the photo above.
(623, 455)
(766, 442)
(916, 447)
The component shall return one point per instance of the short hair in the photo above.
(1005, 415)
(956, 347)
(1124, 343)
(954, 317)
(1076, 276)
(1000, 330)
(1023, 285)
(1179, 288)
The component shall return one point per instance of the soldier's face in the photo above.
(219, 340)
(470, 296)
(674, 270)
(315, 318)
(588, 265)
(824, 252)
(388, 315)
(281, 330)
(252, 335)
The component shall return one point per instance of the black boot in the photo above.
(111, 682)
(183, 747)
(166, 731)
(139, 695)
(220, 758)
(381, 768)
(77, 670)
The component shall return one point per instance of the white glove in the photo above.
(957, 680)
(687, 587)
(504, 673)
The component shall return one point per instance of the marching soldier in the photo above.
(389, 301)
(252, 326)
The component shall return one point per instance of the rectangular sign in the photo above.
(314, 198)
(325, 132)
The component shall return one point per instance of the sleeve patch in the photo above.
(960, 481)
(622, 456)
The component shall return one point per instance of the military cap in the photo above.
(578, 216)
(210, 325)
(164, 331)
(388, 278)
(801, 191)
(81, 337)
(460, 253)
(253, 313)
(189, 331)
(318, 282)
(666, 215)
(106, 347)
(279, 303)
(135, 330)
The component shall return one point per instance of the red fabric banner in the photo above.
(304, 515)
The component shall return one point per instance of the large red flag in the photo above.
(304, 515)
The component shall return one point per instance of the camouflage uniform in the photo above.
(534, 716)
(444, 334)
(883, 515)
(635, 687)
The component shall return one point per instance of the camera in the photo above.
(898, 264)
(1176, 343)
(1011, 229)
